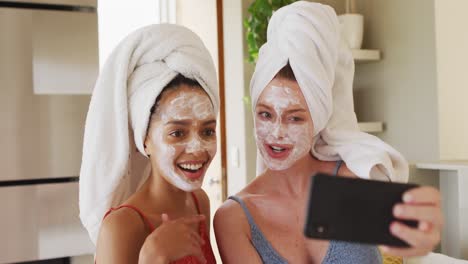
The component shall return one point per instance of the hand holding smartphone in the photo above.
(354, 210)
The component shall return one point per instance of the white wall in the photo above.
(200, 17)
(235, 91)
(401, 90)
(452, 78)
(420, 87)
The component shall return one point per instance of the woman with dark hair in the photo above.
(154, 106)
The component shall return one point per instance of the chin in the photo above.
(278, 168)
(190, 188)
(188, 185)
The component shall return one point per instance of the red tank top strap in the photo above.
(196, 202)
(140, 213)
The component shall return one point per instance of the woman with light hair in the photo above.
(305, 123)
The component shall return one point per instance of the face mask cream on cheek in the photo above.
(282, 153)
(166, 160)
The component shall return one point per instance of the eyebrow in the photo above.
(178, 122)
(188, 122)
(295, 110)
(209, 122)
(287, 112)
(264, 105)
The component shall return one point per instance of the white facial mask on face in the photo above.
(277, 131)
(186, 106)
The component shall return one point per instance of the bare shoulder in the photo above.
(346, 172)
(230, 216)
(233, 231)
(119, 229)
(228, 208)
(230, 224)
(124, 217)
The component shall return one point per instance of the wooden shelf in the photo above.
(365, 55)
(371, 127)
(443, 165)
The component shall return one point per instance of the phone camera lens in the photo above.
(320, 229)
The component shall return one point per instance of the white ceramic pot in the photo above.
(352, 26)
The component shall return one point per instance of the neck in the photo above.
(163, 195)
(295, 179)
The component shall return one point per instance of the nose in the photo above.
(194, 145)
(279, 131)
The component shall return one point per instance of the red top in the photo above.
(206, 247)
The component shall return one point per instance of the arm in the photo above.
(233, 235)
(124, 239)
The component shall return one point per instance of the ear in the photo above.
(147, 145)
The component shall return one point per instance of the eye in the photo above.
(265, 115)
(177, 133)
(209, 132)
(296, 119)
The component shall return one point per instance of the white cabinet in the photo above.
(63, 39)
(41, 222)
(65, 52)
(41, 141)
(92, 3)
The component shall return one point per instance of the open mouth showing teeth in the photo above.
(191, 167)
(277, 149)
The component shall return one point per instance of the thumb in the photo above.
(165, 218)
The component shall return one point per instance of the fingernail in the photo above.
(396, 228)
(424, 226)
(397, 210)
(407, 198)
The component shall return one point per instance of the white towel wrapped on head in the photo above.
(307, 36)
(134, 75)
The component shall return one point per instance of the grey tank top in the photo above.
(338, 252)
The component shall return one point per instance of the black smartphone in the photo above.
(354, 210)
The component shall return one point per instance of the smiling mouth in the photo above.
(191, 167)
(193, 170)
